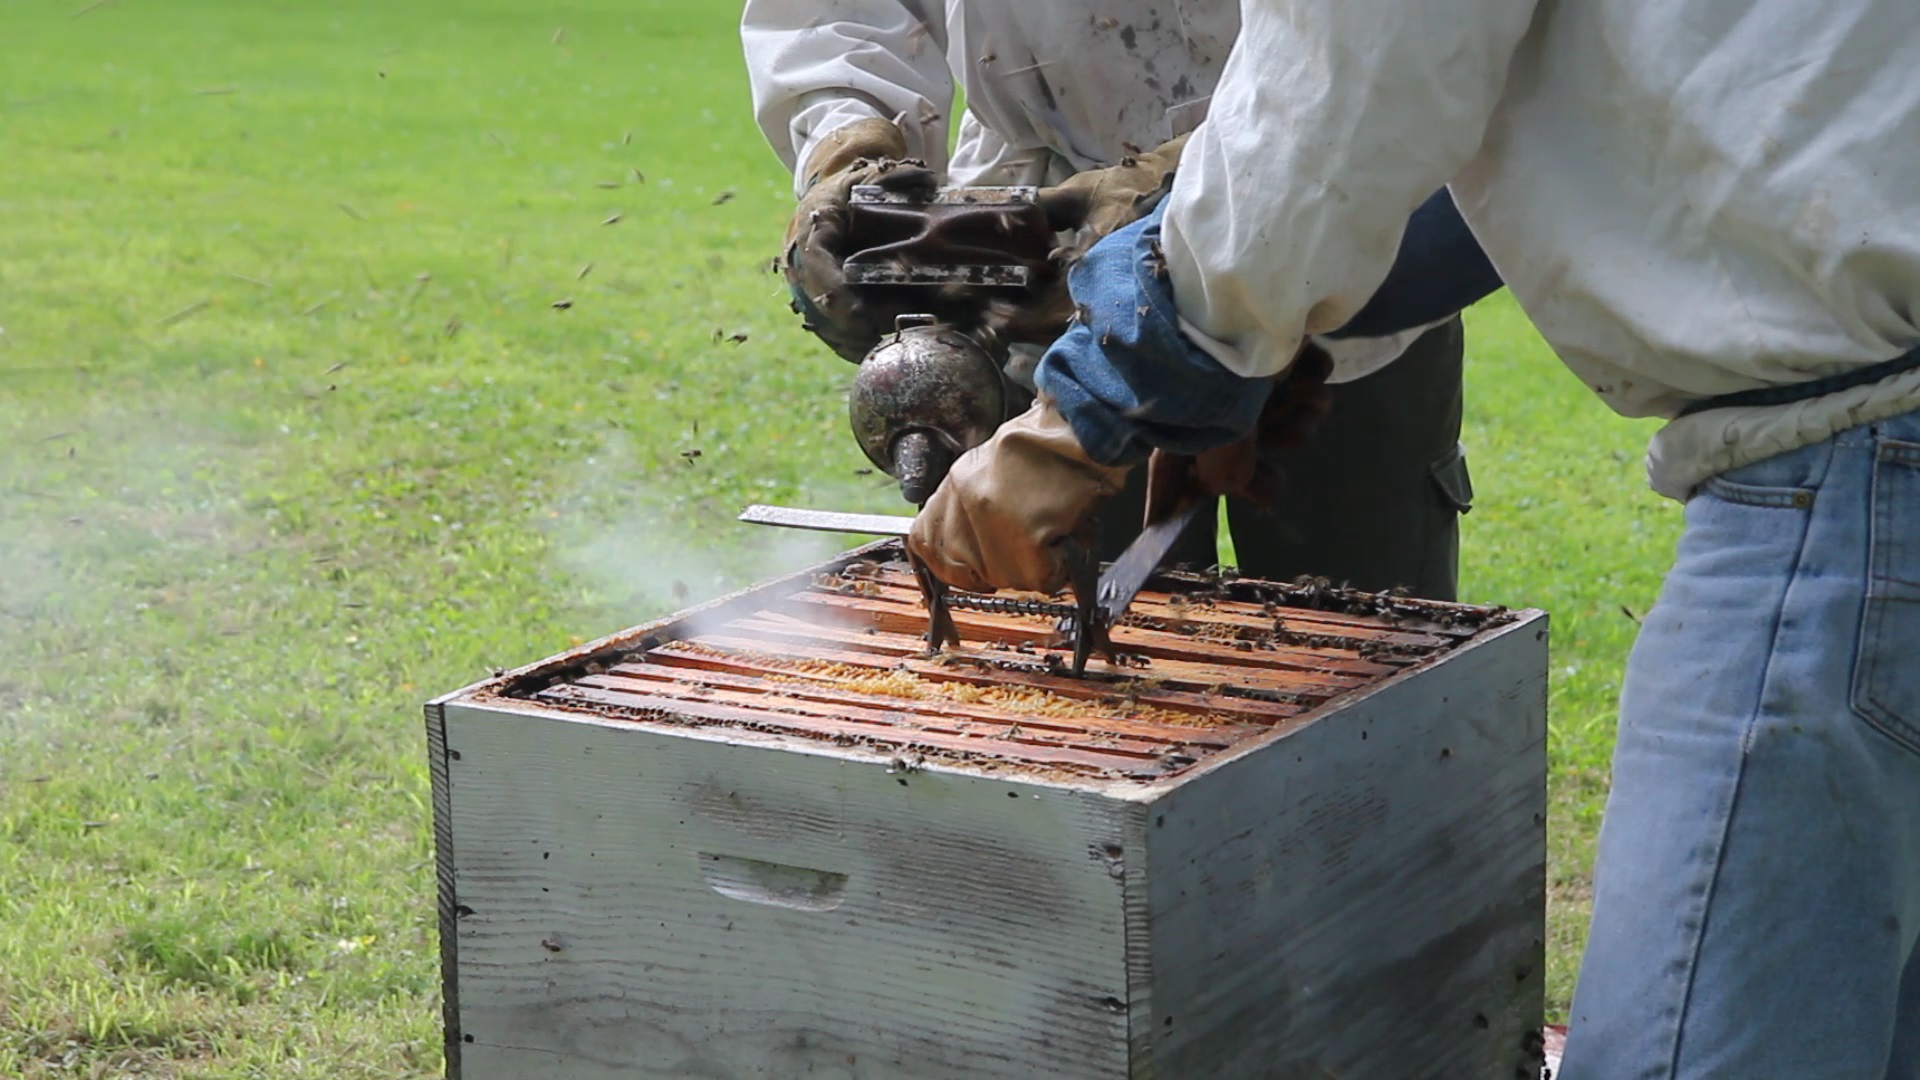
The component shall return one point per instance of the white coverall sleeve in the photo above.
(816, 65)
(1333, 121)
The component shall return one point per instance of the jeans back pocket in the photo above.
(1886, 677)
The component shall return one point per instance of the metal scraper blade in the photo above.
(1101, 603)
(827, 520)
(1129, 573)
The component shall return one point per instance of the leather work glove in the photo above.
(1002, 517)
(1090, 205)
(1103, 200)
(859, 153)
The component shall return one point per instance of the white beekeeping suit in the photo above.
(1681, 212)
(1052, 88)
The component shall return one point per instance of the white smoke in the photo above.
(97, 520)
(638, 549)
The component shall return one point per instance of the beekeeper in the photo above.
(1712, 213)
(1098, 99)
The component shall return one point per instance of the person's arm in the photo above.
(1439, 272)
(1332, 123)
(1130, 380)
(818, 65)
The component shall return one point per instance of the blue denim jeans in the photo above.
(1757, 890)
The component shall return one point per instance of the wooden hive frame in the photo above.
(1206, 664)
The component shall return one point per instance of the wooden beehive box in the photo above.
(1299, 834)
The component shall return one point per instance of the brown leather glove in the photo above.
(1003, 514)
(857, 153)
(1102, 200)
(1090, 205)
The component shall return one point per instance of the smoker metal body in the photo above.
(925, 395)
(768, 837)
(935, 262)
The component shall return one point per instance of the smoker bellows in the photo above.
(1294, 832)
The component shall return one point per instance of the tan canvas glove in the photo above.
(1001, 517)
(1102, 200)
(817, 235)
(1090, 205)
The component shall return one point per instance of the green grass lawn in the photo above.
(293, 435)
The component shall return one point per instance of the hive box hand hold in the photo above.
(1293, 833)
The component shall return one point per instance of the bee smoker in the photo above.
(937, 387)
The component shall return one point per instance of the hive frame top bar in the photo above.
(681, 638)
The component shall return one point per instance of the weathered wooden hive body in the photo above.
(1299, 834)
